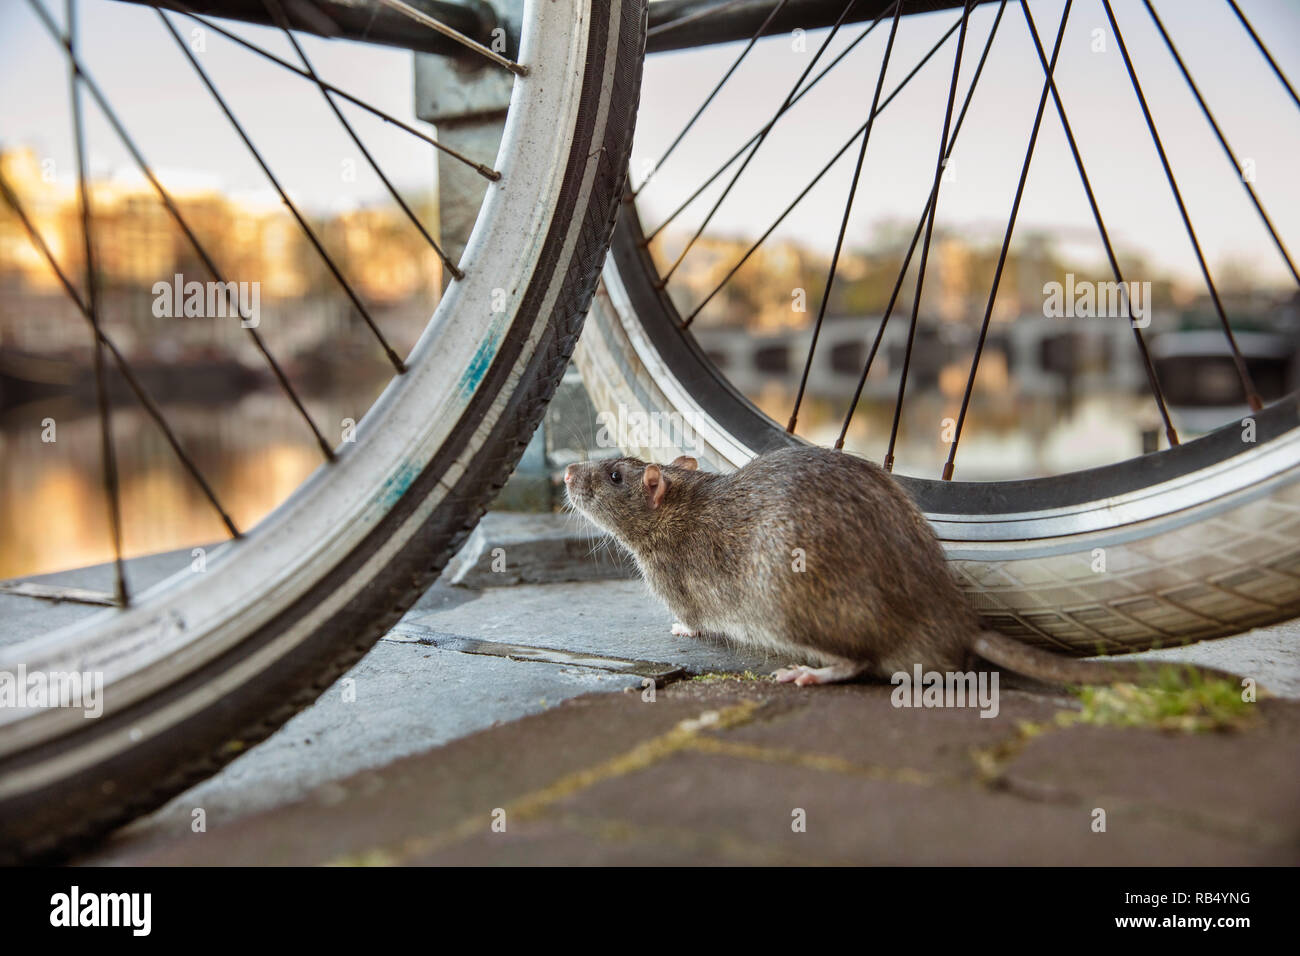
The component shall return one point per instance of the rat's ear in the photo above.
(655, 484)
(685, 461)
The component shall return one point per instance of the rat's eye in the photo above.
(616, 476)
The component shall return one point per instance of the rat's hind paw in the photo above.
(802, 675)
(681, 630)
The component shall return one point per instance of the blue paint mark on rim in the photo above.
(397, 485)
(479, 364)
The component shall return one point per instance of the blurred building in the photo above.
(138, 244)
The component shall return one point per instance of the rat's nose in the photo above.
(569, 472)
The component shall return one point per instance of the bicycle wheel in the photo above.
(1196, 541)
(201, 666)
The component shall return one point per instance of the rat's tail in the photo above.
(1057, 669)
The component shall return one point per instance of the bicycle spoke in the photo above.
(1152, 380)
(1264, 50)
(419, 16)
(1243, 373)
(393, 357)
(714, 92)
(174, 211)
(146, 400)
(929, 232)
(1223, 141)
(487, 172)
(844, 221)
(916, 234)
(1006, 246)
(663, 280)
(816, 179)
(277, 13)
(692, 17)
(107, 455)
(793, 97)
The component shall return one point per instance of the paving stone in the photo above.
(574, 843)
(616, 778)
(858, 724)
(741, 808)
(1245, 783)
(416, 797)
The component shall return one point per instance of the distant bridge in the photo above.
(1045, 357)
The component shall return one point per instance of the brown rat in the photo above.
(808, 552)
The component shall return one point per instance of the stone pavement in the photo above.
(749, 772)
(527, 706)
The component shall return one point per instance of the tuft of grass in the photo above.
(715, 676)
(1185, 703)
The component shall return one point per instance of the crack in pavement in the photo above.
(828, 763)
(533, 804)
(658, 671)
(993, 764)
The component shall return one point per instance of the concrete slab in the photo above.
(618, 618)
(26, 617)
(509, 548)
(1269, 654)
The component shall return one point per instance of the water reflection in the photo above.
(1002, 438)
(1051, 396)
(254, 451)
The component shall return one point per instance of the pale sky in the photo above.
(1251, 106)
(180, 130)
(178, 126)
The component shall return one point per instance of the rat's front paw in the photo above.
(681, 630)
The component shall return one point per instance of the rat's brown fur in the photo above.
(875, 594)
